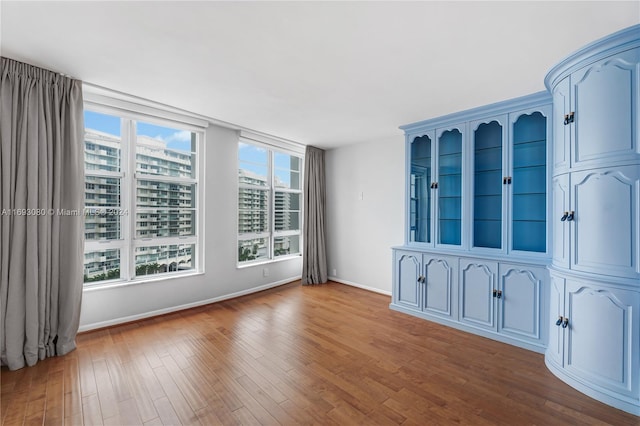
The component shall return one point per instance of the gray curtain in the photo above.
(314, 256)
(41, 226)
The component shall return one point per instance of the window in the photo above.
(269, 203)
(141, 197)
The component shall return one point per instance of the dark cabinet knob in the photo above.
(495, 293)
(569, 118)
(565, 322)
(559, 320)
(499, 296)
(564, 216)
(571, 216)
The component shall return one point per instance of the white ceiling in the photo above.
(320, 73)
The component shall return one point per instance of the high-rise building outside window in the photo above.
(269, 203)
(141, 197)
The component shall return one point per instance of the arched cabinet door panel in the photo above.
(528, 183)
(408, 265)
(439, 285)
(477, 286)
(420, 198)
(605, 224)
(450, 159)
(489, 165)
(602, 335)
(605, 99)
(519, 305)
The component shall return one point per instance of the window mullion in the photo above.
(272, 204)
(130, 196)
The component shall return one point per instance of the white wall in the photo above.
(365, 211)
(106, 306)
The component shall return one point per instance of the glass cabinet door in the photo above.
(487, 185)
(419, 190)
(450, 187)
(529, 183)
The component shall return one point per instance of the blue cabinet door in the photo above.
(477, 285)
(604, 229)
(605, 102)
(420, 183)
(439, 285)
(602, 336)
(449, 186)
(488, 162)
(529, 183)
(408, 271)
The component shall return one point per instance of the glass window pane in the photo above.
(165, 258)
(102, 142)
(420, 193)
(287, 201)
(151, 193)
(100, 191)
(450, 187)
(254, 249)
(287, 211)
(103, 224)
(253, 210)
(283, 246)
(253, 221)
(287, 171)
(101, 265)
(253, 165)
(165, 223)
(487, 189)
(529, 183)
(165, 151)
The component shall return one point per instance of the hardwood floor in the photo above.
(329, 354)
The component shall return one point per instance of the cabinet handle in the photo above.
(564, 216)
(569, 118)
(433, 185)
(495, 293)
(560, 318)
(422, 279)
(571, 216)
(499, 294)
(565, 322)
(509, 180)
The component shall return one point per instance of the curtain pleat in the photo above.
(41, 226)
(314, 256)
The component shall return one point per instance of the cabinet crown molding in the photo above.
(520, 103)
(620, 41)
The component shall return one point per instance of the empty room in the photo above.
(320, 212)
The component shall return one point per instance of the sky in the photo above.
(174, 138)
(251, 157)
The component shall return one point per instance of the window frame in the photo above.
(130, 115)
(270, 233)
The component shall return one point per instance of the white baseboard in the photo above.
(122, 320)
(364, 287)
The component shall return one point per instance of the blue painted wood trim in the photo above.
(524, 102)
(620, 41)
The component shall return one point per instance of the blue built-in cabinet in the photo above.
(594, 315)
(523, 221)
(477, 234)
